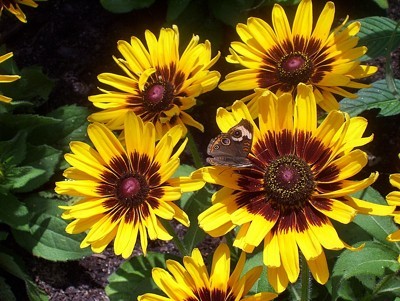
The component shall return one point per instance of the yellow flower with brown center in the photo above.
(192, 282)
(7, 78)
(125, 188)
(278, 58)
(393, 198)
(13, 7)
(298, 180)
(160, 84)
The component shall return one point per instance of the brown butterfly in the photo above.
(232, 148)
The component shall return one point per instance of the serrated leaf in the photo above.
(175, 8)
(125, 6)
(380, 36)
(375, 259)
(13, 212)
(47, 237)
(378, 96)
(13, 151)
(133, 278)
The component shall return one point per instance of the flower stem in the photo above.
(198, 163)
(305, 280)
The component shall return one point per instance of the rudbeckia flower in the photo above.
(299, 181)
(159, 84)
(124, 187)
(192, 282)
(13, 7)
(7, 78)
(280, 57)
(393, 198)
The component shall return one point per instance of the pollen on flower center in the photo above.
(295, 68)
(158, 96)
(289, 182)
(132, 190)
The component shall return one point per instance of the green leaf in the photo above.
(379, 227)
(20, 177)
(13, 263)
(13, 212)
(380, 35)
(231, 12)
(378, 96)
(47, 237)
(194, 206)
(197, 20)
(42, 157)
(133, 278)
(262, 284)
(175, 8)
(13, 151)
(71, 126)
(32, 84)
(374, 260)
(5, 291)
(382, 3)
(125, 6)
(11, 123)
(34, 292)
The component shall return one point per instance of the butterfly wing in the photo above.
(232, 148)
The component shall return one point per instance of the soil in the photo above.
(74, 42)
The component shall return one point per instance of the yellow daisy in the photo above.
(124, 189)
(192, 281)
(7, 78)
(298, 181)
(160, 84)
(278, 58)
(13, 7)
(393, 198)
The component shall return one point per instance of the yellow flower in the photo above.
(278, 58)
(297, 183)
(7, 78)
(160, 84)
(13, 7)
(125, 189)
(192, 281)
(393, 198)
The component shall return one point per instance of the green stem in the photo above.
(305, 280)
(198, 163)
(178, 243)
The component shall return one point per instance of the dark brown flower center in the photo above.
(295, 68)
(289, 182)
(158, 96)
(132, 190)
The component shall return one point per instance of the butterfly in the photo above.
(232, 148)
